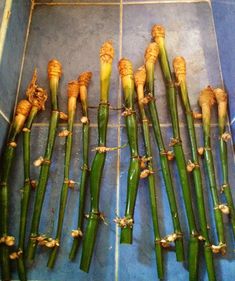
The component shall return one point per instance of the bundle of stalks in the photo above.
(206, 101)
(54, 74)
(73, 92)
(77, 234)
(140, 79)
(151, 55)
(106, 59)
(6, 241)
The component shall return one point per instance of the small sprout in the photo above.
(33, 184)
(190, 166)
(12, 144)
(38, 162)
(8, 240)
(226, 136)
(197, 115)
(84, 120)
(144, 174)
(224, 209)
(201, 238)
(64, 133)
(124, 222)
(170, 155)
(200, 150)
(15, 255)
(221, 248)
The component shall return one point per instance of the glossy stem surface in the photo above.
(84, 176)
(26, 190)
(64, 191)
(44, 172)
(165, 168)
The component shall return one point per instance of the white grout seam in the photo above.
(4, 116)
(121, 3)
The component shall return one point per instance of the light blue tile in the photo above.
(12, 54)
(74, 36)
(186, 36)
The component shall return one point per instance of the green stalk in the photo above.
(54, 74)
(77, 234)
(6, 241)
(222, 100)
(180, 72)
(206, 101)
(73, 91)
(140, 78)
(126, 72)
(106, 58)
(37, 97)
(150, 61)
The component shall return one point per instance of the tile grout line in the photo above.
(118, 152)
(123, 3)
(119, 125)
(24, 54)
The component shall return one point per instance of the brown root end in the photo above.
(125, 67)
(140, 76)
(107, 52)
(151, 53)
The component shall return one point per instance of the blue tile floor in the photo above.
(73, 34)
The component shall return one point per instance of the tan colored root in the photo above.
(125, 67)
(107, 52)
(84, 120)
(200, 150)
(16, 255)
(23, 108)
(76, 233)
(54, 69)
(128, 112)
(64, 133)
(85, 78)
(223, 208)
(197, 115)
(38, 162)
(151, 53)
(221, 248)
(73, 89)
(179, 66)
(167, 240)
(158, 31)
(226, 136)
(63, 116)
(207, 97)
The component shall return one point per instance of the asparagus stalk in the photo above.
(150, 60)
(54, 74)
(106, 58)
(140, 79)
(37, 97)
(77, 234)
(180, 73)
(73, 92)
(22, 111)
(222, 100)
(206, 101)
(126, 223)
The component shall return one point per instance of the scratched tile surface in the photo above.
(73, 34)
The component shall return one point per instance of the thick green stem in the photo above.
(106, 56)
(44, 172)
(134, 165)
(64, 191)
(212, 181)
(164, 162)
(152, 191)
(25, 193)
(83, 185)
